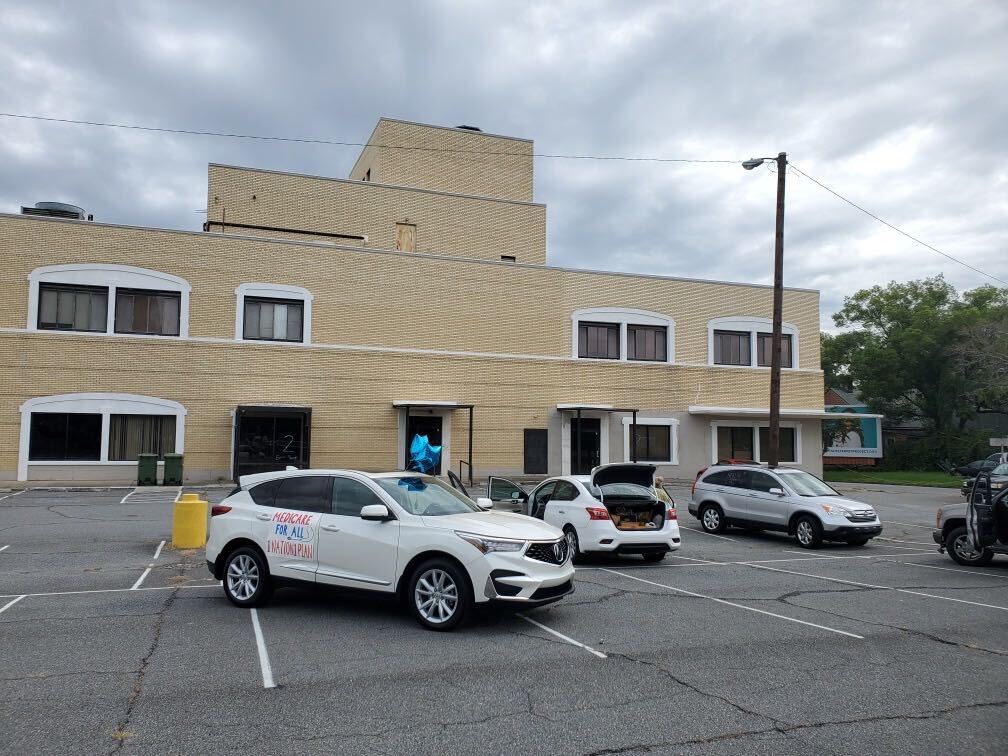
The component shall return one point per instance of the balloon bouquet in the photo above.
(423, 456)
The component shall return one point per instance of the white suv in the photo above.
(397, 533)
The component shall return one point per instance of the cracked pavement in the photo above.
(173, 667)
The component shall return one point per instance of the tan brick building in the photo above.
(326, 322)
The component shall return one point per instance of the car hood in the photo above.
(496, 525)
(623, 472)
(839, 501)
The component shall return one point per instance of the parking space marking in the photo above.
(955, 569)
(4, 548)
(908, 524)
(16, 493)
(708, 563)
(215, 584)
(123, 499)
(150, 566)
(880, 587)
(900, 540)
(712, 535)
(915, 552)
(563, 637)
(739, 606)
(264, 663)
(9, 604)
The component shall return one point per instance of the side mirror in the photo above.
(375, 512)
(484, 503)
(777, 491)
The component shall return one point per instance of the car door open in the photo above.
(508, 492)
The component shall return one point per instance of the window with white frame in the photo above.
(618, 333)
(747, 441)
(273, 312)
(109, 299)
(748, 342)
(655, 440)
(96, 429)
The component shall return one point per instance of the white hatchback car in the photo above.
(614, 510)
(398, 533)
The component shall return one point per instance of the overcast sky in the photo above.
(900, 106)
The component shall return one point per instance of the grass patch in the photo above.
(934, 479)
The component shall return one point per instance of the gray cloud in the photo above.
(900, 106)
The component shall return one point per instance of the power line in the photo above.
(896, 228)
(305, 140)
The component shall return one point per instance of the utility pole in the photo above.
(773, 453)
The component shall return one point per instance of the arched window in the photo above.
(747, 342)
(619, 333)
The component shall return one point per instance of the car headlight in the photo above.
(835, 510)
(996, 486)
(488, 545)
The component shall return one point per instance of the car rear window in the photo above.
(738, 478)
(265, 493)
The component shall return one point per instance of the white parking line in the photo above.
(880, 587)
(214, 584)
(704, 532)
(123, 499)
(178, 495)
(909, 524)
(150, 566)
(561, 636)
(739, 606)
(16, 493)
(707, 563)
(264, 663)
(903, 540)
(954, 569)
(9, 604)
(915, 552)
(4, 548)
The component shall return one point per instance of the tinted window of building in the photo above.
(764, 349)
(647, 343)
(735, 443)
(274, 319)
(732, 348)
(154, 313)
(72, 308)
(653, 443)
(787, 444)
(60, 436)
(599, 340)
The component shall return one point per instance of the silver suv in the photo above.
(791, 501)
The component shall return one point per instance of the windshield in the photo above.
(1000, 469)
(620, 489)
(806, 484)
(422, 495)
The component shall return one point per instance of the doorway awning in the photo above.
(761, 412)
(577, 409)
(408, 404)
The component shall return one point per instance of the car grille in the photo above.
(554, 552)
(862, 515)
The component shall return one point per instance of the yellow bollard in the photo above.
(189, 522)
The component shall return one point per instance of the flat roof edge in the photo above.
(392, 252)
(453, 128)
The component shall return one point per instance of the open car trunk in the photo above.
(632, 513)
(626, 490)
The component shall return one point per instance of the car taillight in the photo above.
(598, 513)
(219, 509)
(672, 514)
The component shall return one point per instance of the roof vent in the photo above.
(469, 128)
(56, 210)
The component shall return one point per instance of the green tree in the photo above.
(903, 352)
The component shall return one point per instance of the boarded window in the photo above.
(732, 348)
(600, 340)
(147, 312)
(647, 343)
(72, 308)
(405, 237)
(764, 349)
(786, 448)
(273, 319)
(130, 435)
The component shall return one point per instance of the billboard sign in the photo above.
(852, 436)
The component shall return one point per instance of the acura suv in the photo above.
(399, 533)
(788, 500)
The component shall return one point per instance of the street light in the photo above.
(773, 453)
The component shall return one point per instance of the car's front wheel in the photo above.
(246, 578)
(960, 548)
(440, 595)
(808, 532)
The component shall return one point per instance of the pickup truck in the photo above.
(973, 532)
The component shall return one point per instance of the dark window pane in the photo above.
(130, 435)
(764, 349)
(350, 495)
(274, 319)
(732, 348)
(735, 443)
(647, 343)
(787, 444)
(653, 443)
(599, 340)
(64, 437)
(72, 308)
(146, 312)
(305, 492)
(265, 493)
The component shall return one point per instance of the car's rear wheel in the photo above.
(573, 544)
(712, 518)
(246, 578)
(808, 532)
(960, 548)
(440, 595)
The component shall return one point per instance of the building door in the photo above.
(536, 449)
(586, 451)
(424, 425)
(271, 438)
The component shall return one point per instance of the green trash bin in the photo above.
(173, 469)
(147, 469)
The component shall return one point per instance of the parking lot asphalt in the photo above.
(113, 642)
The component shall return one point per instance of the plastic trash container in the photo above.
(147, 469)
(173, 469)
